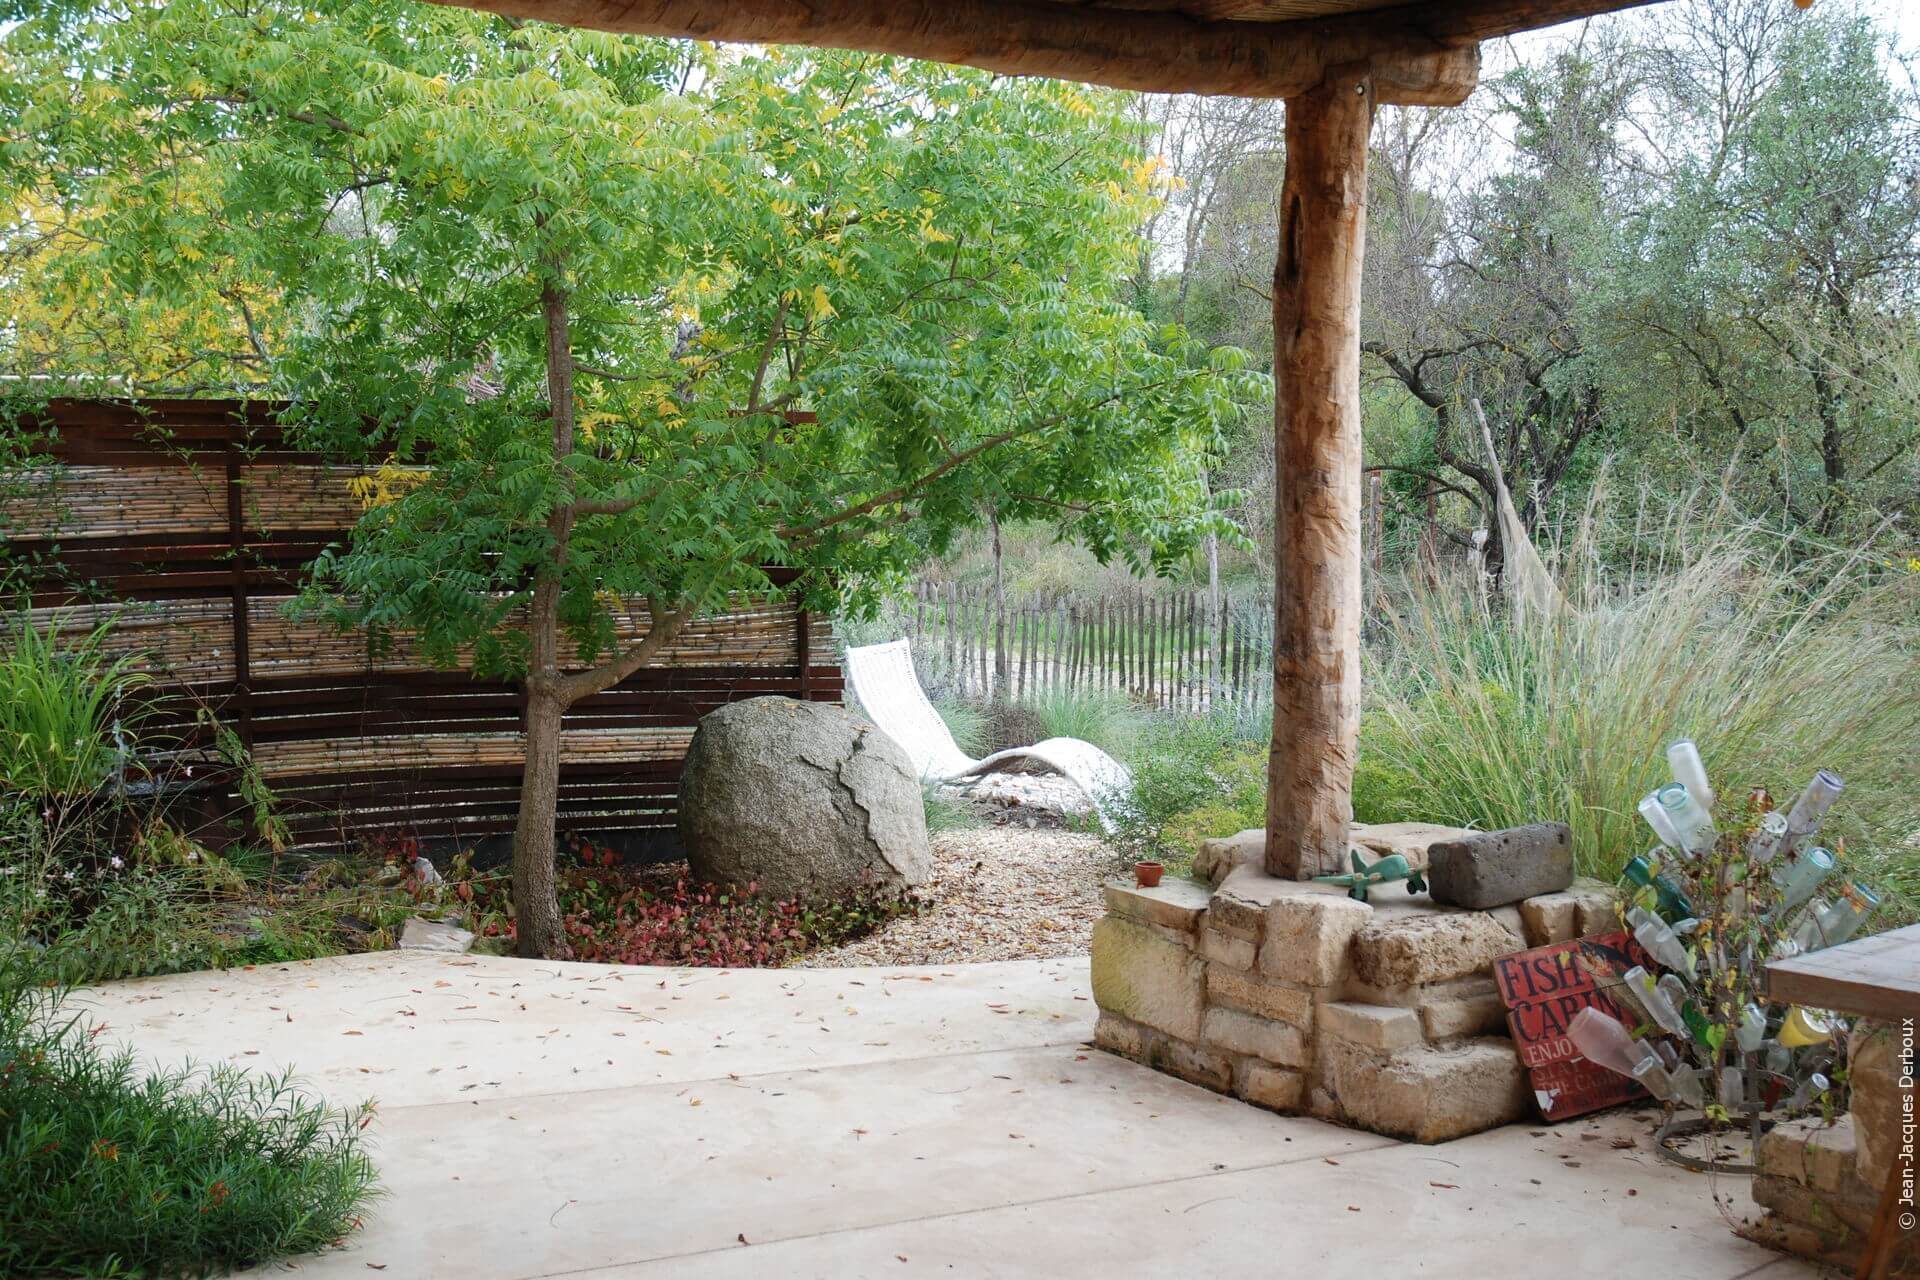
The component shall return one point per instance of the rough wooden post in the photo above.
(1316, 603)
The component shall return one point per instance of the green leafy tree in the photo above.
(661, 319)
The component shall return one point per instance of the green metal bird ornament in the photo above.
(1363, 877)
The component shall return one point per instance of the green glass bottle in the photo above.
(1673, 902)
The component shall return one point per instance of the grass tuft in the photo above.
(1775, 661)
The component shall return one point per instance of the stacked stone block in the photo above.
(1296, 997)
(1820, 1184)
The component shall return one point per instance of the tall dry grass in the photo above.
(1775, 656)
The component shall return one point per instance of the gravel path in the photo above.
(1000, 893)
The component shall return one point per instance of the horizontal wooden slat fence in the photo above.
(188, 524)
(1165, 650)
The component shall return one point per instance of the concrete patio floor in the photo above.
(542, 1120)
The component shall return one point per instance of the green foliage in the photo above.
(945, 811)
(59, 710)
(929, 259)
(107, 1170)
(1776, 660)
(1101, 717)
(1193, 777)
(969, 724)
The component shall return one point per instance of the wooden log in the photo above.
(1316, 605)
(1420, 57)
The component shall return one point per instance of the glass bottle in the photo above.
(1768, 838)
(1690, 772)
(1752, 1029)
(1671, 899)
(1660, 941)
(1803, 1028)
(1689, 817)
(1842, 917)
(1665, 1014)
(1604, 1042)
(1812, 1087)
(1660, 820)
(1800, 875)
(1808, 811)
(1626, 994)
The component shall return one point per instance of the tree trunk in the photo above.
(1317, 467)
(536, 904)
(999, 614)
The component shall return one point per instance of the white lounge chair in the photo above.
(884, 680)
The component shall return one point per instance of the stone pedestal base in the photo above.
(1821, 1184)
(1295, 997)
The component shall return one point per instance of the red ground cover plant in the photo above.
(653, 915)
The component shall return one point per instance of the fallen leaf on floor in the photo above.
(1445, 1186)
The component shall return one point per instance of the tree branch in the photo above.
(663, 627)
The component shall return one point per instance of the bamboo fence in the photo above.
(186, 528)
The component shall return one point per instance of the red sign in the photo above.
(1544, 989)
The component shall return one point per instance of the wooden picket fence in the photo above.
(1162, 650)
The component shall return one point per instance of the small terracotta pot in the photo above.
(1147, 874)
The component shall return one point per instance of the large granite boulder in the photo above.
(800, 798)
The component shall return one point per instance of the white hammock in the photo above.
(888, 689)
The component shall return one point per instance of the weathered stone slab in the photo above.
(1814, 1154)
(1874, 1071)
(1227, 949)
(1420, 949)
(1172, 904)
(1598, 911)
(1822, 1210)
(1308, 936)
(1550, 917)
(1265, 1085)
(1444, 1017)
(434, 935)
(1228, 986)
(1263, 1038)
(1487, 869)
(1208, 1068)
(1411, 840)
(1379, 1027)
(1428, 1094)
(1142, 976)
(1222, 854)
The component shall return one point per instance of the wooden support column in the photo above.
(1316, 601)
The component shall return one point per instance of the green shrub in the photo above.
(1097, 716)
(59, 708)
(945, 811)
(1776, 663)
(969, 724)
(1193, 777)
(106, 1170)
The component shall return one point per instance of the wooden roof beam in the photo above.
(1411, 60)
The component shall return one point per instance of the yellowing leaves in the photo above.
(387, 485)
(930, 233)
(821, 305)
